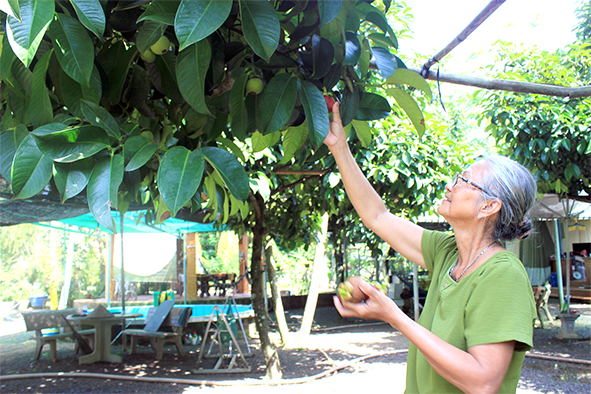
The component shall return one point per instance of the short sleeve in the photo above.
(501, 307)
(435, 246)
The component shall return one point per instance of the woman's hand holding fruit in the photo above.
(369, 302)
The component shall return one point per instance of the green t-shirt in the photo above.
(492, 304)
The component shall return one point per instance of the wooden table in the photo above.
(102, 339)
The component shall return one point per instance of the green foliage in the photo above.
(549, 135)
(32, 257)
(75, 89)
(583, 28)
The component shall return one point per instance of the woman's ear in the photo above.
(490, 208)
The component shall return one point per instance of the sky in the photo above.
(547, 24)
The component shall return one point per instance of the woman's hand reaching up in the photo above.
(336, 134)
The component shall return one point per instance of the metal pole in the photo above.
(567, 250)
(108, 273)
(558, 264)
(123, 292)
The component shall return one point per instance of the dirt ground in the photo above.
(331, 361)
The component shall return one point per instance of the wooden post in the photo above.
(191, 279)
(243, 285)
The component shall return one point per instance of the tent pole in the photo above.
(123, 292)
(185, 268)
(69, 262)
(109, 273)
(567, 250)
(558, 264)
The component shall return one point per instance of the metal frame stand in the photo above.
(217, 325)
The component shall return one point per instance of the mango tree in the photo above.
(149, 103)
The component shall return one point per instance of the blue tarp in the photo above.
(135, 222)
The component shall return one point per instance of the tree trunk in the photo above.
(317, 272)
(339, 250)
(278, 302)
(273, 366)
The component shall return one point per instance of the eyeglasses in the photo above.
(469, 182)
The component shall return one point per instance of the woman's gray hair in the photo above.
(514, 185)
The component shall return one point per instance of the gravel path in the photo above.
(334, 343)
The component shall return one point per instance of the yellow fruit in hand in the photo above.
(148, 56)
(349, 290)
(161, 46)
(254, 86)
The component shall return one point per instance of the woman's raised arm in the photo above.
(403, 236)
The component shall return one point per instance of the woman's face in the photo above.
(462, 199)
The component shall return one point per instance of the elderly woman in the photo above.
(477, 322)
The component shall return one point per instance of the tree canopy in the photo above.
(549, 135)
(150, 102)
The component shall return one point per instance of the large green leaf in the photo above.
(197, 19)
(120, 58)
(191, 70)
(100, 117)
(167, 68)
(377, 17)
(73, 48)
(349, 105)
(380, 39)
(232, 172)
(7, 58)
(137, 151)
(9, 141)
(363, 131)
(260, 142)
(316, 112)
(410, 78)
(148, 34)
(25, 36)
(23, 76)
(71, 178)
(179, 176)
(385, 61)
(352, 49)
(65, 144)
(31, 169)
(17, 105)
(372, 106)
(91, 15)
(40, 110)
(103, 185)
(238, 108)
(278, 102)
(328, 10)
(73, 93)
(409, 105)
(162, 11)
(260, 26)
(11, 8)
(322, 56)
(293, 139)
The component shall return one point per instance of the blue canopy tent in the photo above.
(136, 222)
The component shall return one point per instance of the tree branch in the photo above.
(506, 85)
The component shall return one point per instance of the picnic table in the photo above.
(102, 344)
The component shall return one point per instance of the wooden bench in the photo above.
(175, 322)
(50, 319)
